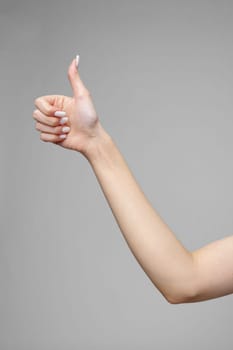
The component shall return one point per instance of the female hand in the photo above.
(81, 123)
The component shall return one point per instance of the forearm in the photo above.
(167, 263)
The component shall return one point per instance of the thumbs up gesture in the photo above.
(70, 122)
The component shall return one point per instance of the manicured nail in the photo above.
(60, 114)
(65, 129)
(63, 120)
(77, 61)
(62, 136)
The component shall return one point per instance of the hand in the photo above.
(83, 122)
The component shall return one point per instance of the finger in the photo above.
(57, 130)
(51, 121)
(45, 104)
(77, 85)
(52, 138)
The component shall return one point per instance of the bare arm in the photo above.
(214, 264)
(181, 276)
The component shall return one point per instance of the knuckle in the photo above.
(58, 130)
(37, 99)
(50, 110)
(34, 114)
(42, 137)
(53, 122)
(37, 126)
(55, 138)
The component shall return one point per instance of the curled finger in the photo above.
(57, 130)
(51, 121)
(52, 137)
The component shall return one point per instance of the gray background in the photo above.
(160, 74)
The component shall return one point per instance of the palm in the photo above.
(82, 119)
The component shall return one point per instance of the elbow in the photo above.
(189, 295)
(174, 300)
(181, 298)
(184, 287)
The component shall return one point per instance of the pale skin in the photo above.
(180, 275)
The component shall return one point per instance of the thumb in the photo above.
(74, 78)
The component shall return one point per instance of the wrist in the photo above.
(97, 144)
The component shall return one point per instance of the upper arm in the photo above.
(214, 269)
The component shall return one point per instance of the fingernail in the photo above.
(60, 114)
(77, 61)
(63, 120)
(62, 136)
(65, 129)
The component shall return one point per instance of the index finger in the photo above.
(46, 104)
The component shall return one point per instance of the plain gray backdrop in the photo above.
(160, 74)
